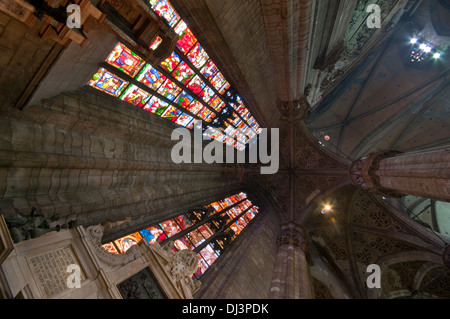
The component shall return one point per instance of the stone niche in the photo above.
(72, 264)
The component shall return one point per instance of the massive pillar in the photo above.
(394, 174)
(291, 275)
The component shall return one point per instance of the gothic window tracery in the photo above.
(185, 88)
(207, 231)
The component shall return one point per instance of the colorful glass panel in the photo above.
(180, 27)
(209, 70)
(183, 222)
(156, 106)
(198, 56)
(194, 107)
(171, 62)
(218, 81)
(155, 44)
(126, 242)
(109, 247)
(202, 266)
(206, 231)
(153, 234)
(170, 227)
(184, 99)
(184, 120)
(125, 60)
(135, 96)
(171, 113)
(151, 77)
(196, 86)
(217, 104)
(169, 90)
(183, 243)
(165, 10)
(204, 113)
(186, 40)
(209, 97)
(209, 255)
(183, 73)
(195, 237)
(108, 82)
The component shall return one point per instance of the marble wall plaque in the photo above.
(50, 270)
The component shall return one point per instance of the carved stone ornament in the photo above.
(94, 236)
(180, 265)
(363, 174)
(294, 111)
(295, 235)
(183, 264)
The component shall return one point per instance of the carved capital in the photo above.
(294, 111)
(295, 235)
(363, 173)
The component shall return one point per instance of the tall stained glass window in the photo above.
(207, 231)
(185, 88)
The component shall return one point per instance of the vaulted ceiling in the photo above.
(360, 91)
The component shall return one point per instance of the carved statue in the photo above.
(23, 227)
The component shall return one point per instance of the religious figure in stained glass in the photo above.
(108, 83)
(136, 96)
(171, 62)
(238, 210)
(194, 107)
(183, 73)
(171, 113)
(184, 99)
(197, 86)
(186, 40)
(169, 89)
(165, 10)
(185, 120)
(151, 77)
(209, 70)
(125, 60)
(190, 69)
(198, 56)
(156, 106)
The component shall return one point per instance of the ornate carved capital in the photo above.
(363, 173)
(295, 110)
(295, 235)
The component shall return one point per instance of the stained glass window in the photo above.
(135, 96)
(186, 40)
(185, 88)
(125, 60)
(155, 44)
(165, 10)
(199, 230)
(151, 77)
(108, 82)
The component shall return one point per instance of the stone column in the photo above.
(395, 174)
(291, 275)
